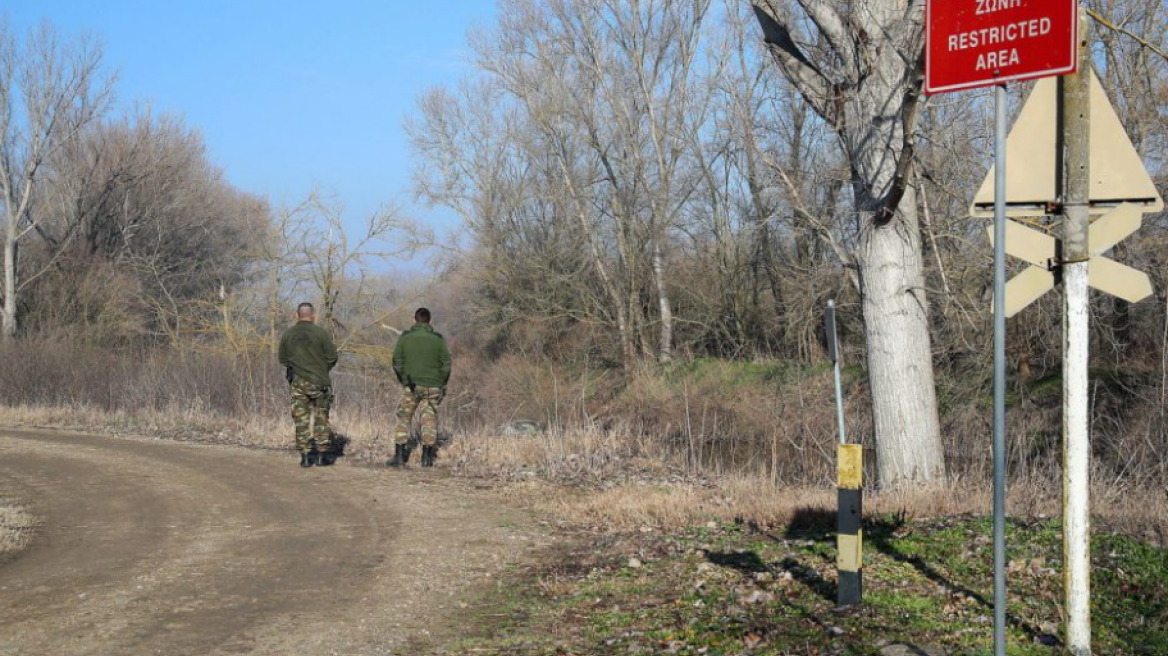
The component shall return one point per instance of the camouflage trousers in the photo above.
(310, 413)
(428, 399)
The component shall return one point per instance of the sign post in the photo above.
(978, 43)
(1067, 150)
(999, 447)
(1075, 258)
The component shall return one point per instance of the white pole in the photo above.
(1076, 435)
(1076, 462)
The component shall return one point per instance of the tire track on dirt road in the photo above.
(153, 547)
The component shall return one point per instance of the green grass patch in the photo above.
(728, 590)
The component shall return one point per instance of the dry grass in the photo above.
(367, 437)
(611, 479)
(584, 457)
(757, 501)
(177, 423)
(16, 527)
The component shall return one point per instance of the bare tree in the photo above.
(860, 69)
(49, 92)
(610, 86)
(278, 260)
(336, 264)
(602, 154)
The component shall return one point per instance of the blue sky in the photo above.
(289, 95)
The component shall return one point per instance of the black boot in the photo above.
(429, 454)
(401, 456)
(307, 459)
(326, 459)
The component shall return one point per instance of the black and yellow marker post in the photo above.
(851, 535)
(851, 478)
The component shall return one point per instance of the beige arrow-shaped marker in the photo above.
(1113, 278)
(1104, 274)
(1113, 227)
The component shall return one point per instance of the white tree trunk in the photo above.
(665, 353)
(899, 352)
(8, 329)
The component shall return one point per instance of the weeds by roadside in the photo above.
(615, 481)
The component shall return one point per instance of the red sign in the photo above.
(976, 43)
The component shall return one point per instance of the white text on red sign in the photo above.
(973, 43)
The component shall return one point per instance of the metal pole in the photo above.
(1000, 372)
(1076, 118)
(839, 393)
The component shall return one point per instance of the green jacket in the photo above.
(421, 357)
(308, 349)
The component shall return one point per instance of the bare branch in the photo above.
(1103, 20)
(806, 76)
(833, 28)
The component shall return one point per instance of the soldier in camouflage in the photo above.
(422, 364)
(308, 353)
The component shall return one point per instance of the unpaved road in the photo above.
(152, 547)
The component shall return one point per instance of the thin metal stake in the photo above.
(1000, 372)
(833, 350)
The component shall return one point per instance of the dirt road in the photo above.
(151, 547)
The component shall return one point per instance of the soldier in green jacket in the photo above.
(308, 353)
(421, 362)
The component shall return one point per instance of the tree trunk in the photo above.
(8, 331)
(274, 307)
(628, 350)
(899, 352)
(666, 345)
(642, 320)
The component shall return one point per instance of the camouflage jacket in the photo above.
(308, 349)
(422, 358)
